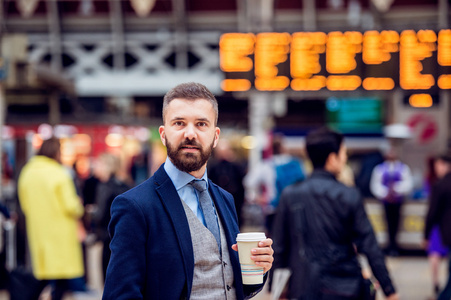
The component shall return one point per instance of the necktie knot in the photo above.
(200, 185)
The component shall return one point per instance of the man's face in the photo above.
(189, 134)
(441, 168)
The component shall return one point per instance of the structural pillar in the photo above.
(309, 15)
(443, 14)
(259, 123)
(54, 108)
(117, 29)
(53, 20)
(2, 97)
(260, 15)
(181, 35)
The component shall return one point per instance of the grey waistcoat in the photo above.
(213, 273)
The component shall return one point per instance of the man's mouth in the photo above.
(190, 148)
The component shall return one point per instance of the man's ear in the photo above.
(216, 139)
(162, 134)
(331, 160)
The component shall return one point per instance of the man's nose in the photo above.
(190, 131)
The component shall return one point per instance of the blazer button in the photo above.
(228, 287)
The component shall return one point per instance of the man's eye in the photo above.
(179, 123)
(201, 124)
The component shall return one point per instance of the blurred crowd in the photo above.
(67, 212)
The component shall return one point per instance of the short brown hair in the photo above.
(50, 148)
(190, 91)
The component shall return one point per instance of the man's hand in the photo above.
(394, 296)
(263, 255)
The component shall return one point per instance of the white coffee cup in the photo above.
(250, 272)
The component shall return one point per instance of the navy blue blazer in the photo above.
(151, 248)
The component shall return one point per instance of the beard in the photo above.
(188, 162)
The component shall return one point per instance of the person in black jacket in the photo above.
(109, 187)
(320, 226)
(439, 213)
(226, 172)
(3, 272)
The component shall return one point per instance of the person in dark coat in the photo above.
(228, 174)
(3, 272)
(106, 169)
(439, 213)
(321, 225)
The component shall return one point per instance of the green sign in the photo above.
(355, 115)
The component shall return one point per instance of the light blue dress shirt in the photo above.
(186, 192)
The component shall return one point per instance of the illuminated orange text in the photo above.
(337, 61)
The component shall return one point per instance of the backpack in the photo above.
(287, 174)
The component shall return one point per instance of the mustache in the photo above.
(192, 143)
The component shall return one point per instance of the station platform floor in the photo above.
(411, 275)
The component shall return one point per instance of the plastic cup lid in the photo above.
(250, 236)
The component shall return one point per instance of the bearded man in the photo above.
(167, 241)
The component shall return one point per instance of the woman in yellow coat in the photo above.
(52, 211)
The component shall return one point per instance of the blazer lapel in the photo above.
(231, 229)
(171, 202)
(224, 213)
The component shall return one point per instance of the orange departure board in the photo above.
(336, 61)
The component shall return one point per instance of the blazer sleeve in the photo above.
(125, 278)
(281, 233)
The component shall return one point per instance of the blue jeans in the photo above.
(446, 292)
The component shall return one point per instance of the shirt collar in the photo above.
(320, 172)
(180, 178)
